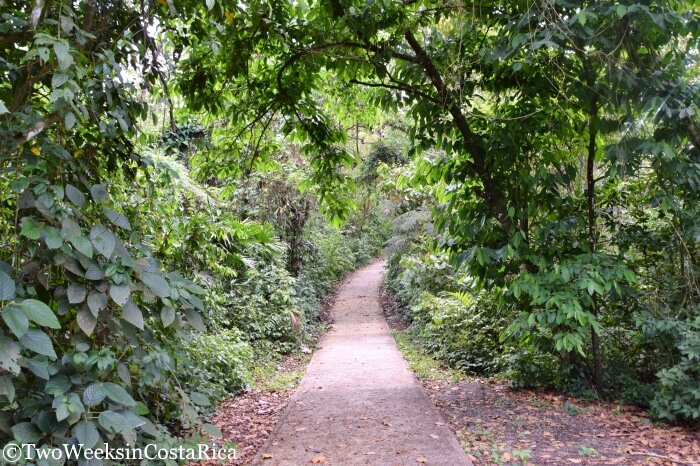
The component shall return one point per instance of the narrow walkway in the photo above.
(358, 402)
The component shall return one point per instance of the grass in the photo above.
(268, 377)
(422, 364)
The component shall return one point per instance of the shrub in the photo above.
(679, 386)
(218, 363)
(462, 330)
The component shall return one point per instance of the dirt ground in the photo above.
(499, 425)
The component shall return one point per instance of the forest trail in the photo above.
(358, 402)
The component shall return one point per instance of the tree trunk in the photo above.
(598, 375)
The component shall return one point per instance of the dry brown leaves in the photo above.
(498, 425)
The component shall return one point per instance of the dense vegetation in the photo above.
(183, 181)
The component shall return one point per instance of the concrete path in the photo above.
(358, 402)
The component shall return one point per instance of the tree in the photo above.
(532, 104)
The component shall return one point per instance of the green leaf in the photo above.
(65, 59)
(38, 367)
(25, 432)
(621, 10)
(94, 272)
(199, 399)
(114, 422)
(132, 314)
(39, 342)
(57, 386)
(70, 120)
(167, 316)
(103, 240)
(212, 430)
(94, 395)
(75, 195)
(62, 412)
(76, 293)
(96, 301)
(118, 395)
(52, 237)
(9, 354)
(15, 319)
(82, 245)
(118, 219)
(99, 192)
(119, 293)
(7, 287)
(210, 4)
(195, 320)
(86, 321)
(3, 108)
(156, 284)
(31, 229)
(40, 313)
(7, 388)
(86, 433)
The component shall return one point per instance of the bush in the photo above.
(263, 304)
(218, 364)
(462, 330)
(679, 392)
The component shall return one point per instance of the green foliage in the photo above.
(463, 331)
(679, 396)
(217, 364)
(381, 153)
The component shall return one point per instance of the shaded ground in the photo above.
(249, 418)
(358, 402)
(498, 425)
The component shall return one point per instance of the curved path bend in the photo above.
(358, 402)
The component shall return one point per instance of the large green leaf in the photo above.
(75, 195)
(96, 301)
(87, 434)
(156, 283)
(52, 237)
(40, 313)
(195, 320)
(103, 240)
(118, 219)
(94, 394)
(132, 314)
(118, 394)
(15, 319)
(114, 422)
(76, 293)
(7, 388)
(39, 342)
(9, 354)
(82, 245)
(120, 293)
(25, 432)
(7, 287)
(31, 229)
(86, 321)
(39, 367)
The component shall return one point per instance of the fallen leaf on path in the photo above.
(371, 453)
(420, 459)
(434, 436)
(574, 460)
(267, 456)
(318, 459)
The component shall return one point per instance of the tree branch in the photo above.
(449, 101)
